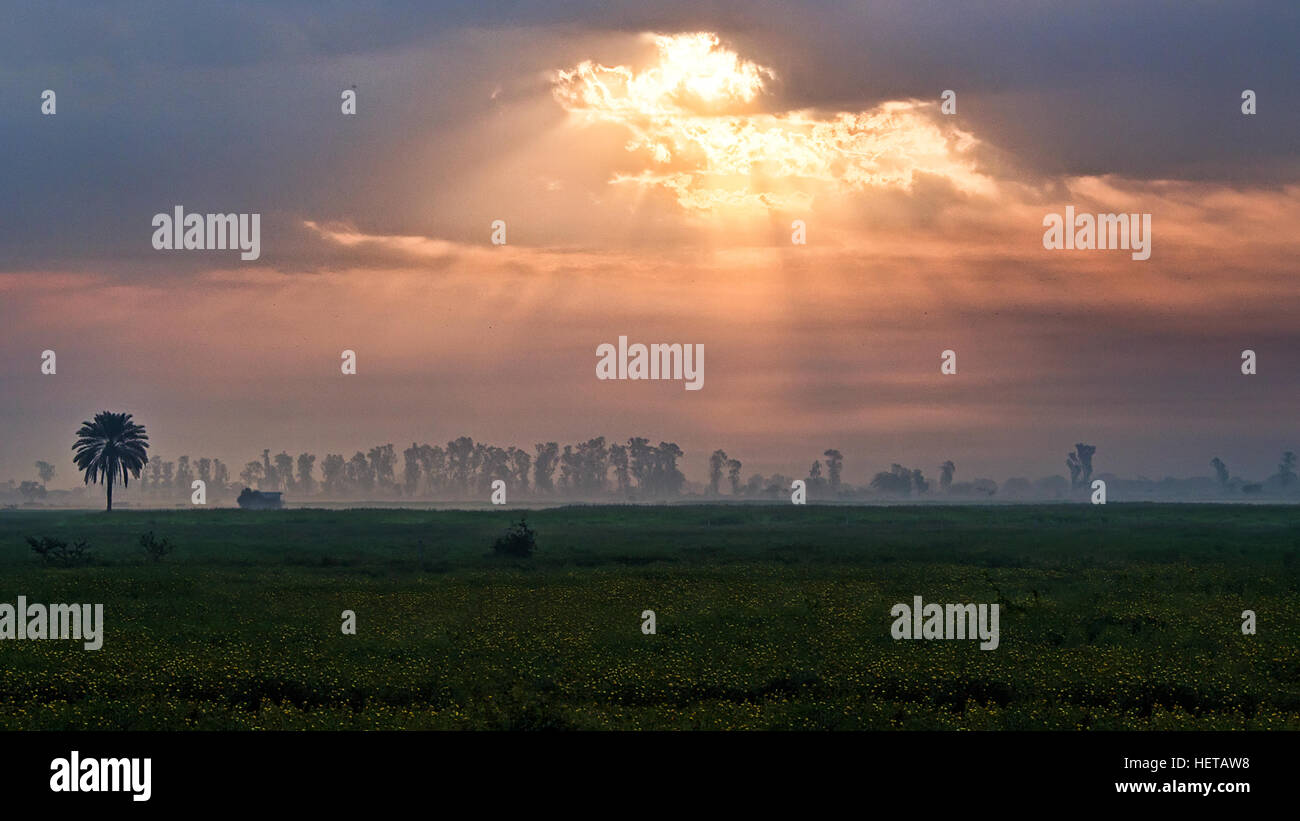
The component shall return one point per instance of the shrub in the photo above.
(154, 548)
(519, 540)
(59, 553)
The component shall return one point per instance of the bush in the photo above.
(154, 548)
(519, 540)
(59, 553)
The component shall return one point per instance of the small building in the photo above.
(250, 499)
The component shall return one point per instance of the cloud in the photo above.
(691, 119)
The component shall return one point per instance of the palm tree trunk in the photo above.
(110, 495)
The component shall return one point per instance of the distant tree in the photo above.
(717, 461)
(778, 486)
(520, 461)
(252, 474)
(1080, 465)
(1286, 470)
(433, 463)
(671, 478)
(45, 471)
(333, 473)
(411, 469)
(111, 447)
(495, 466)
(593, 465)
(220, 475)
(204, 466)
(946, 471)
(834, 466)
(184, 474)
(478, 480)
(284, 470)
(897, 481)
(918, 481)
(306, 463)
(815, 479)
(569, 470)
(360, 475)
(642, 459)
(544, 466)
(270, 476)
(459, 463)
(618, 461)
(733, 475)
(31, 491)
(383, 466)
(1220, 470)
(155, 475)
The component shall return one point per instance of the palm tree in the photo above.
(111, 446)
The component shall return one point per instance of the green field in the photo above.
(1115, 617)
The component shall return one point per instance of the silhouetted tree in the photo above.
(897, 481)
(383, 466)
(220, 475)
(306, 462)
(333, 473)
(270, 476)
(544, 466)
(459, 463)
(815, 480)
(717, 461)
(641, 462)
(284, 470)
(834, 466)
(733, 475)
(671, 479)
(252, 474)
(946, 471)
(618, 462)
(45, 471)
(360, 476)
(918, 481)
(1080, 465)
(593, 461)
(111, 447)
(184, 475)
(31, 491)
(520, 461)
(1220, 470)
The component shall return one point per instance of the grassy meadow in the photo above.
(768, 616)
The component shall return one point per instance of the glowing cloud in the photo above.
(693, 116)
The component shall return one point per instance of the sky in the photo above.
(649, 162)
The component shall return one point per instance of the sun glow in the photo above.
(695, 116)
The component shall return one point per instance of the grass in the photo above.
(1115, 617)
